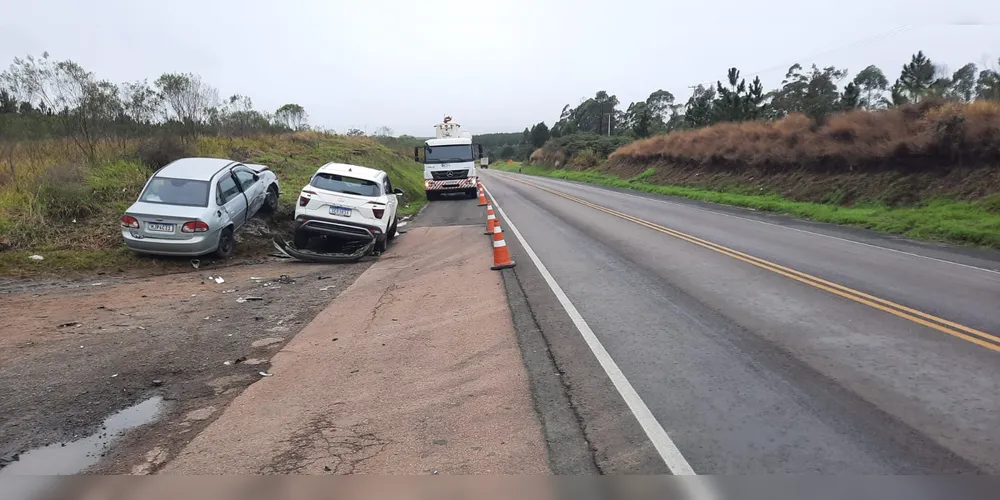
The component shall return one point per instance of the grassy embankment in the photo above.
(53, 205)
(927, 171)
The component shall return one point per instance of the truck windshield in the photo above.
(448, 154)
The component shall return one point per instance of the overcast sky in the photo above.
(496, 66)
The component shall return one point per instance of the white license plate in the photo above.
(160, 228)
(451, 183)
(340, 211)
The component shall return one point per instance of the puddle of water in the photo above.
(26, 479)
(56, 459)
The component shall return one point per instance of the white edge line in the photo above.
(684, 205)
(665, 446)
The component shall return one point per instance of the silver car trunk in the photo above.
(167, 218)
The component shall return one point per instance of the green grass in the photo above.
(966, 223)
(68, 212)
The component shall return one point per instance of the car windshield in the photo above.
(170, 191)
(343, 184)
(448, 154)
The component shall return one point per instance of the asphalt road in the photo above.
(761, 344)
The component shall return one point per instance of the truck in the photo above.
(449, 161)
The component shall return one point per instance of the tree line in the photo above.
(44, 98)
(814, 92)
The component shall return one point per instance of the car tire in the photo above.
(227, 241)
(302, 239)
(392, 231)
(381, 244)
(271, 200)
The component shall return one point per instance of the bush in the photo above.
(64, 194)
(161, 150)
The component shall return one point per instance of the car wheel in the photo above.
(226, 243)
(271, 200)
(302, 239)
(381, 244)
(392, 231)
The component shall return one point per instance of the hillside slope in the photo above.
(54, 205)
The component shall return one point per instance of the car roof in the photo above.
(356, 171)
(198, 169)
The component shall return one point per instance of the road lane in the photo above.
(752, 372)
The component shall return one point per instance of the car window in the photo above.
(388, 185)
(170, 191)
(245, 177)
(227, 189)
(343, 184)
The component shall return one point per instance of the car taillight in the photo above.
(129, 221)
(303, 201)
(379, 212)
(196, 226)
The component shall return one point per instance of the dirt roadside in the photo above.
(73, 353)
(414, 369)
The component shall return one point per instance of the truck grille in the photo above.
(443, 175)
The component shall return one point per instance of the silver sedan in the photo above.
(194, 206)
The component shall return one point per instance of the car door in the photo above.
(251, 186)
(231, 199)
(392, 200)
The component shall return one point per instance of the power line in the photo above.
(857, 43)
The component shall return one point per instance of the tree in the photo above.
(355, 132)
(292, 116)
(850, 98)
(814, 94)
(698, 110)
(188, 98)
(915, 81)
(988, 85)
(963, 83)
(872, 84)
(539, 134)
(8, 104)
(383, 131)
(526, 136)
(140, 103)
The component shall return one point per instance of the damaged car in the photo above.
(350, 204)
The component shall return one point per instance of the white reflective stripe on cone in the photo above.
(496, 229)
(500, 243)
(491, 217)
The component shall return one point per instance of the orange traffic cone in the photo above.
(482, 197)
(501, 256)
(491, 219)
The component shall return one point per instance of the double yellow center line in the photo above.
(963, 332)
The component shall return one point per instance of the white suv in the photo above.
(347, 202)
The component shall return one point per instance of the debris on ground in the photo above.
(267, 341)
(350, 252)
(265, 374)
(285, 280)
(239, 360)
(323, 277)
(325, 288)
(244, 299)
(36, 257)
(69, 324)
(96, 284)
(218, 279)
(195, 263)
(157, 383)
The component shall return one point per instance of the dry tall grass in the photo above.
(928, 136)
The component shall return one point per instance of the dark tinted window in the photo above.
(227, 189)
(169, 191)
(447, 154)
(344, 184)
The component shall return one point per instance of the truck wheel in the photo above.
(226, 243)
(431, 196)
(302, 239)
(472, 193)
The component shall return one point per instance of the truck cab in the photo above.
(449, 161)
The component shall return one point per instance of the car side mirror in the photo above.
(416, 154)
(397, 192)
(256, 177)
